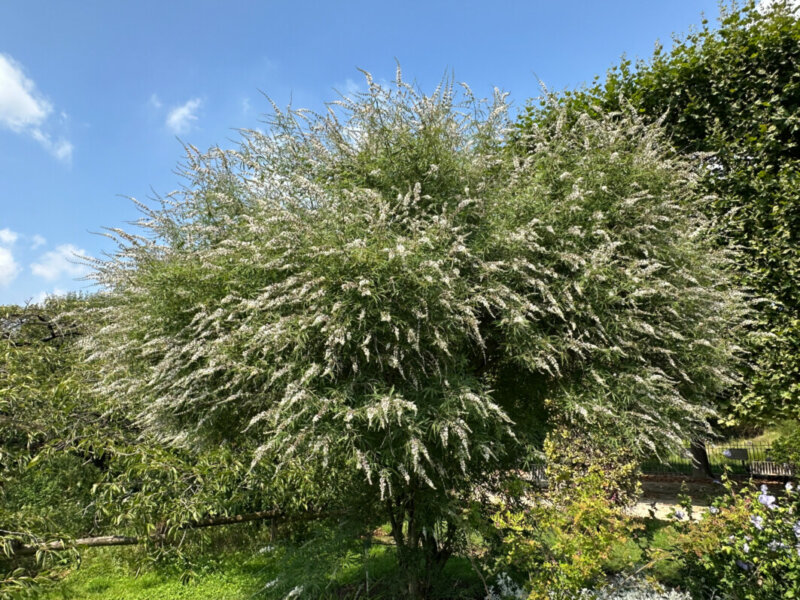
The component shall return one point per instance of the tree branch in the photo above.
(122, 540)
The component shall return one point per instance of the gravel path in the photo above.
(660, 494)
(662, 510)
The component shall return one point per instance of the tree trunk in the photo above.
(420, 557)
(701, 467)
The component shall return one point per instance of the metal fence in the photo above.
(744, 458)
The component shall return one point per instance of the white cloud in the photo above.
(8, 237)
(21, 106)
(351, 87)
(180, 118)
(9, 268)
(60, 148)
(24, 110)
(155, 101)
(61, 262)
(42, 296)
(37, 241)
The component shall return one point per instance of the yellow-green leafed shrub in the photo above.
(786, 448)
(575, 453)
(562, 542)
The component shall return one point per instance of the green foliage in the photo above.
(562, 542)
(786, 448)
(380, 292)
(747, 547)
(54, 492)
(46, 439)
(42, 394)
(733, 95)
(73, 465)
(573, 453)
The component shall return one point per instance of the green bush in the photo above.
(572, 452)
(56, 492)
(72, 464)
(786, 448)
(561, 544)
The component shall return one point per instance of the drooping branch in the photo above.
(12, 323)
(58, 546)
(123, 540)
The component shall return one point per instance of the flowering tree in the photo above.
(382, 291)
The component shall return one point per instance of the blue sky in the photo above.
(95, 94)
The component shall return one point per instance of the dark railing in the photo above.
(740, 458)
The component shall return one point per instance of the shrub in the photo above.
(633, 589)
(786, 448)
(561, 543)
(46, 439)
(73, 465)
(573, 452)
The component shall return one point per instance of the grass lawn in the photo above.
(111, 574)
(321, 566)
